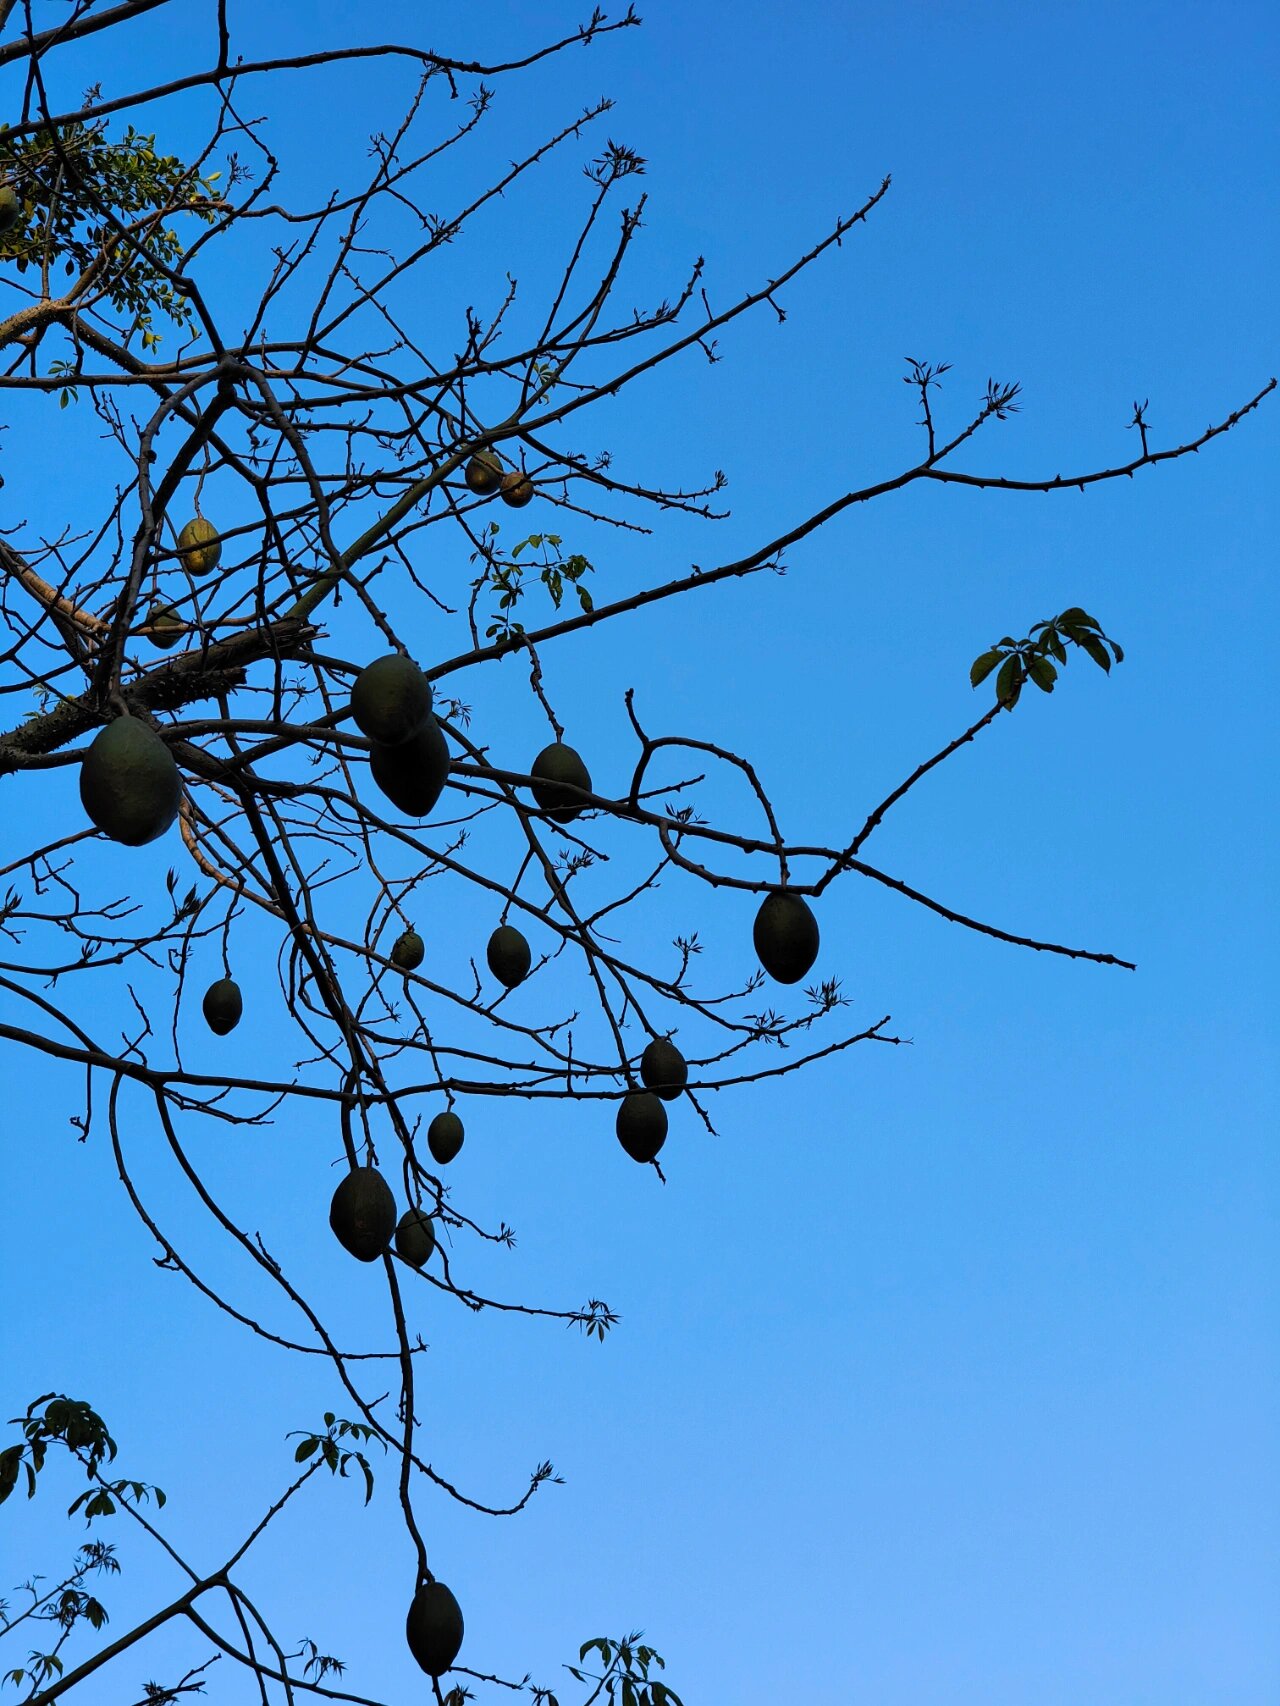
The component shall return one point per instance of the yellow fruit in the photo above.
(483, 473)
(516, 489)
(200, 546)
(10, 208)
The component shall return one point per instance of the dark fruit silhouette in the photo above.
(483, 473)
(200, 546)
(554, 767)
(444, 1138)
(434, 1628)
(391, 699)
(413, 774)
(166, 626)
(786, 936)
(363, 1214)
(416, 1237)
(641, 1124)
(10, 208)
(516, 489)
(129, 784)
(223, 1005)
(508, 956)
(408, 951)
(663, 1069)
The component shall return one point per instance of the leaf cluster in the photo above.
(78, 186)
(1036, 658)
(624, 1679)
(332, 1455)
(555, 570)
(68, 1421)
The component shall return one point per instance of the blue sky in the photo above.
(947, 1375)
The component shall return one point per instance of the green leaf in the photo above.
(306, 1449)
(10, 1462)
(1079, 618)
(982, 666)
(1042, 673)
(1097, 651)
(1009, 682)
(1119, 651)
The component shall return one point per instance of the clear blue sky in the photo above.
(948, 1375)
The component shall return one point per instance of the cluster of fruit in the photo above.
(130, 787)
(485, 475)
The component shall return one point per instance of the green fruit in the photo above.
(200, 546)
(556, 771)
(363, 1214)
(413, 774)
(223, 1005)
(408, 951)
(663, 1069)
(416, 1237)
(483, 473)
(10, 208)
(165, 625)
(786, 936)
(444, 1138)
(129, 784)
(508, 956)
(516, 489)
(434, 1628)
(641, 1124)
(391, 699)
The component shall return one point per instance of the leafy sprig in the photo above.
(1037, 657)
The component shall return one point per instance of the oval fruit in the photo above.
(408, 951)
(363, 1214)
(200, 546)
(444, 1137)
(663, 1069)
(786, 936)
(165, 625)
(223, 1005)
(508, 955)
(416, 1237)
(556, 772)
(434, 1628)
(129, 784)
(483, 473)
(516, 489)
(413, 774)
(641, 1124)
(10, 208)
(391, 699)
